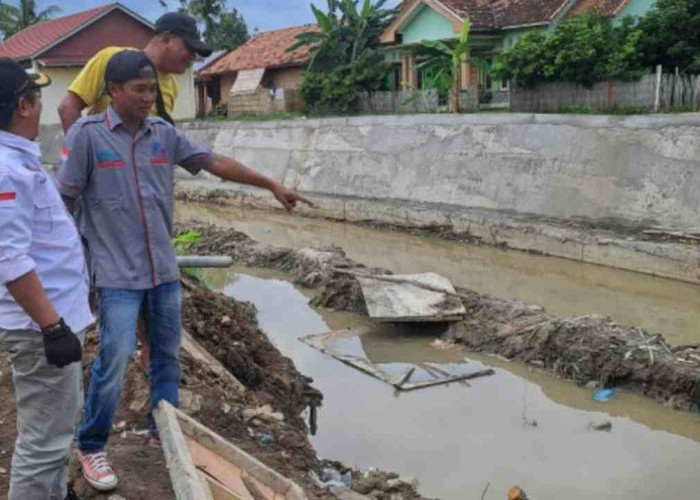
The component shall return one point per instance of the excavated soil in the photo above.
(228, 329)
(588, 349)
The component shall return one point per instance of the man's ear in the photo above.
(24, 107)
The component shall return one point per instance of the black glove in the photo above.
(61, 346)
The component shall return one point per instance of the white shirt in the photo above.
(37, 233)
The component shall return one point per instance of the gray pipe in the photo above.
(204, 261)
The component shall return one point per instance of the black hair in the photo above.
(7, 110)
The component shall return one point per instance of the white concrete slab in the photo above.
(411, 298)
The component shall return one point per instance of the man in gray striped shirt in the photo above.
(120, 163)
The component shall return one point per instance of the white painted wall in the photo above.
(63, 77)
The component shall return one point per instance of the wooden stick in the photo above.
(252, 487)
(431, 383)
(405, 377)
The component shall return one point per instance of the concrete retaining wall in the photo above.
(581, 187)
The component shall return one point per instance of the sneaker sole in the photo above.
(101, 486)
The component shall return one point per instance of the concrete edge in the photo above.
(605, 248)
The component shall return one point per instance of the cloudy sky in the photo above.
(263, 14)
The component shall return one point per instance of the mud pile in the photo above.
(590, 350)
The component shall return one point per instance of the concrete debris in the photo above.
(264, 413)
(401, 298)
(189, 401)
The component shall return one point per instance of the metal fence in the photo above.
(652, 93)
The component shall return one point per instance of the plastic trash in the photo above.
(329, 474)
(332, 480)
(266, 439)
(604, 395)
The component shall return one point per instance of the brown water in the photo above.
(458, 439)
(564, 287)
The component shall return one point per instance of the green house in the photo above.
(496, 25)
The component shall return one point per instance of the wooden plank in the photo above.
(218, 490)
(202, 356)
(238, 458)
(183, 474)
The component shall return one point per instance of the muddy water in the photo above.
(564, 287)
(458, 439)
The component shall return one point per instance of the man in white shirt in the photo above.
(43, 296)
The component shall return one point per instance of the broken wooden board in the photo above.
(331, 344)
(411, 298)
(204, 466)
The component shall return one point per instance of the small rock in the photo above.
(189, 401)
(116, 497)
(537, 362)
(225, 320)
(592, 385)
(121, 425)
(3, 471)
(264, 413)
(123, 435)
(226, 408)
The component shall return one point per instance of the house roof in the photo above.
(36, 39)
(605, 7)
(204, 64)
(266, 50)
(493, 14)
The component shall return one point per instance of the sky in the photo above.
(262, 14)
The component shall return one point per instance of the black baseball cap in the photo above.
(184, 26)
(129, 65)
(15, 80)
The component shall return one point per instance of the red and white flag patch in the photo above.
(65, 154)
(8, 196)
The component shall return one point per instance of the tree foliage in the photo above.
(15, 18)
(585, 50)
(443, 60)
(669, 34)
(345, 62)
(224, 29)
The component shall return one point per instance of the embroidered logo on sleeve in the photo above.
(159, 156)
(7, 196)
(109, 159)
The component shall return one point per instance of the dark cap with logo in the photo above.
(15, 81)
(129, 65)
(185, 27)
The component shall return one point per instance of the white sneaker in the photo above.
(97, 471)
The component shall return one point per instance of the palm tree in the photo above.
(443, 59)
(16, 18)
(346, 34)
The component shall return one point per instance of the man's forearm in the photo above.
(232, 170)
(70, 110)
(30, 295)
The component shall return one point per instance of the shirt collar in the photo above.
(18, 143)
(114, 120)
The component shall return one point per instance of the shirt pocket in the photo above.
(47, 205)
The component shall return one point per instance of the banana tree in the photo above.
(443, 59)
(346, 32)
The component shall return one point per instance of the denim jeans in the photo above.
(119, 314)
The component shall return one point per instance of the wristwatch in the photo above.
(58, 327)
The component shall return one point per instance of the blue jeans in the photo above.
(119, 314)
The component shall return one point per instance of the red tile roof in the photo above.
(605, 7)
(479, 11)
(267, 50)
(490, 14)
(35, 39)
(524, 12)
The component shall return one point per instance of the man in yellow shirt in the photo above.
(174, 47)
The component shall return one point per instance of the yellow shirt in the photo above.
(90, 82)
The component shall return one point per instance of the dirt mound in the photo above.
(585, 349)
